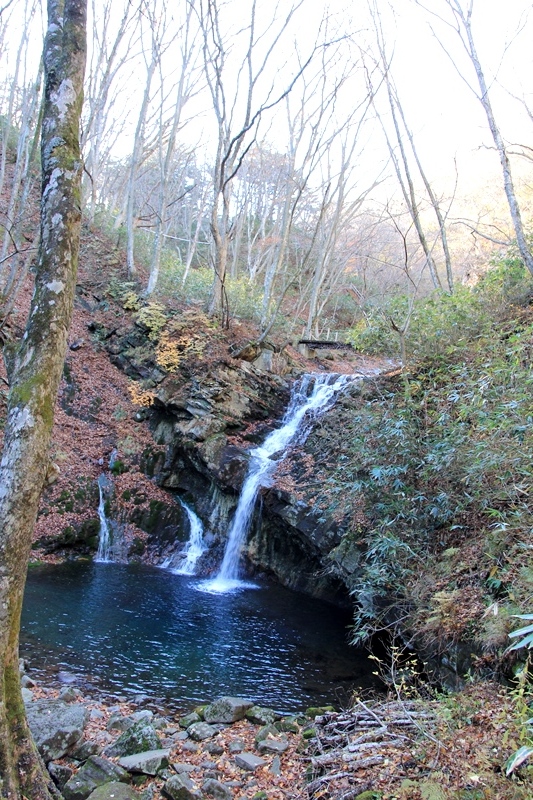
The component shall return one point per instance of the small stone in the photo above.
(180, 787)
(189, 719)
(275, 767)
(267, 730)
(149, 792)
(191, 747)
(114, 791)
(117, 722)
(249, 761)
(141, 699)
(167, 742)
(149, 763)
(84, 750)
(216, 789)
(288, 725)
(66, 677)
(261, 716)
(227, 709)
(181, 736)
(96, 714)
(272, 746)
(318, 711)
(215, 749)
(145, 715)
(181, 767)
(59, 774)
(26, 682)
(27, 695)
(69, 694)
(236, 746)
(199, 731)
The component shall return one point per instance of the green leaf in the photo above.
(517, 758)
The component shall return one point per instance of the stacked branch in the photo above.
(368, 736)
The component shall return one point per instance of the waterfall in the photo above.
(311, 396)
(184, 563)
(104, 542)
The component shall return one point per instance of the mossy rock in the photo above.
(137, 547)
(318, 711)
(119, 467)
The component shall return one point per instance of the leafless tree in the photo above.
(460, 21)
(242, 93)
(187, 42)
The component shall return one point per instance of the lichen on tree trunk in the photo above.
(35, 371)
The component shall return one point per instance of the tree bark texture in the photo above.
(35, 371)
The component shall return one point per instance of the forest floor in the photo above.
(450, 747)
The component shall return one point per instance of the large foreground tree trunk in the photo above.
(35, 371)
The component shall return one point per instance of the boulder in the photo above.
(95, 772)
(180, 787)
(199, 731)
(184, 722)
(149, 763)
(227, 709)
(140, 738)
(114, 791)
(261, 716)
(56, 726)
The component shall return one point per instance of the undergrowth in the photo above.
(431, 474)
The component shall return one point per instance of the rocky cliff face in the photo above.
(207, 424)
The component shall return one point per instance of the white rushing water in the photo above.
(184, 562)
(104, 541)
(311, 396)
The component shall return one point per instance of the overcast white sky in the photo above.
(442, 112)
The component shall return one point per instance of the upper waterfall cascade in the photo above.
(310, 397)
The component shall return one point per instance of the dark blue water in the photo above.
(136, 629)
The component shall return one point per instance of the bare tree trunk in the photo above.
(138, 148)
(484, 98)
(433, 200)
(462, 26)
(35, 371)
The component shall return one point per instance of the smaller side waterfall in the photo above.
(104, 542)
(311, 396)
(184, 562)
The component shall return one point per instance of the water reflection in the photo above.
(138, 629)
